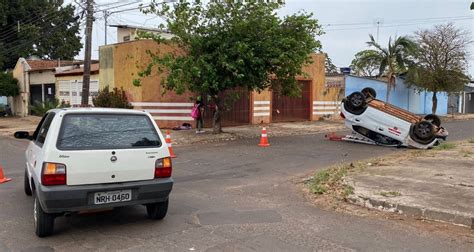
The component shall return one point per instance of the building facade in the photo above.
(37, 82)
(69, 84)
(120, 63)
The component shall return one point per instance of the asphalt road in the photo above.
(231, 196)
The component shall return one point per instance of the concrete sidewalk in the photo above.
(435, 184)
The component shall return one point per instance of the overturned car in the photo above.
(385, 124)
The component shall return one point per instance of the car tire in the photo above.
(369, 92)
(157, 211)
(26, 184)
(434, 119)
(423, 132)
(355, 103)
(44, 222)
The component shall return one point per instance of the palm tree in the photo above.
(394, 59)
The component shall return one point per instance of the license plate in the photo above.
(113, 196)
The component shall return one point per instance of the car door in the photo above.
(36, 147)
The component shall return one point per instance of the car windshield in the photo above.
(106, 131)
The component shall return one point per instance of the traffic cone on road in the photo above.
(264, 138)
(168, 142)
(2, 177)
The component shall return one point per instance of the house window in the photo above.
(126, 38)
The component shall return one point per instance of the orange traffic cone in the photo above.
(2, 177)
(264, 138)
(168, 142)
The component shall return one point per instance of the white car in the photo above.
(386, 124)
(86, 159)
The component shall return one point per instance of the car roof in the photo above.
(97, 110)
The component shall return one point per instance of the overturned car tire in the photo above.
(423, 132)
(369, 92)
(434, 119)
(355, 103)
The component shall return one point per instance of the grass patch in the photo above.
(330, 181)
(445, 146)
(390, 194)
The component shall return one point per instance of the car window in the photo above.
(43, 132)
(35, 134)
(106, 131)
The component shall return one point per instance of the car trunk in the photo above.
(108, 148)
(97, 166)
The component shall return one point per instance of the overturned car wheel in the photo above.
(355, 103)
(369, 92)
(434, 119)
(423, 132)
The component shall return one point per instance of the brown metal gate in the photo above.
(234, 113)
(289, 109)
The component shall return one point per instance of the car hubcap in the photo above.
(356, 100)
(424, 130)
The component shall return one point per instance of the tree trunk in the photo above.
(389, 89)
(216, 121)
(435, 103)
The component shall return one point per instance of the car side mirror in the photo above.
(23, 135)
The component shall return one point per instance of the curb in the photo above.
(414, 211)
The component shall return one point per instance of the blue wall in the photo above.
(401, 96)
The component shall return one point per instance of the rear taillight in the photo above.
(53, 174)
(342, 115)
(163, 168)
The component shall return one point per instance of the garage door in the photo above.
(71, 91)
(289, 109)
(238, 111)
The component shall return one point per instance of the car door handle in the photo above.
(380, 129)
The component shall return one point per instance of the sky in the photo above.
(346, 23)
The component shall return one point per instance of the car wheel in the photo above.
(26, 184)
(369, 92)
(423, 132)
(157, 211)
(44, 222)
(434, 119)
(355, 103)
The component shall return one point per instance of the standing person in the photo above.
(197, 114)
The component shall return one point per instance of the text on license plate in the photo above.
(113, 196)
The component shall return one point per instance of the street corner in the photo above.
(435, 185)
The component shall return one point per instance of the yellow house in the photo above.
(120, 63)
(69, 84)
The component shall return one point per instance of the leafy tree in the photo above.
(366, 63)
(43, 28)
(441, 61)
(330, 67)
(8, 85)
(222, 45)
(393, 59)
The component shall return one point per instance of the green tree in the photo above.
(393, 59)
(366, 63)
(441, 61)
(221, 45)
(330, 67)
(117, 98)
(44, 28)
(8, 85)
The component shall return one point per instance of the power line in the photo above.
(46, 17)
(398, 25)
(397, 21)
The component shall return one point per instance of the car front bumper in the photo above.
(60, 199)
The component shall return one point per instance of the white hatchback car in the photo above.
(94, 158)
(386, 124)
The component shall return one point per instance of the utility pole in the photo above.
(87, 55)
(106, 15)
